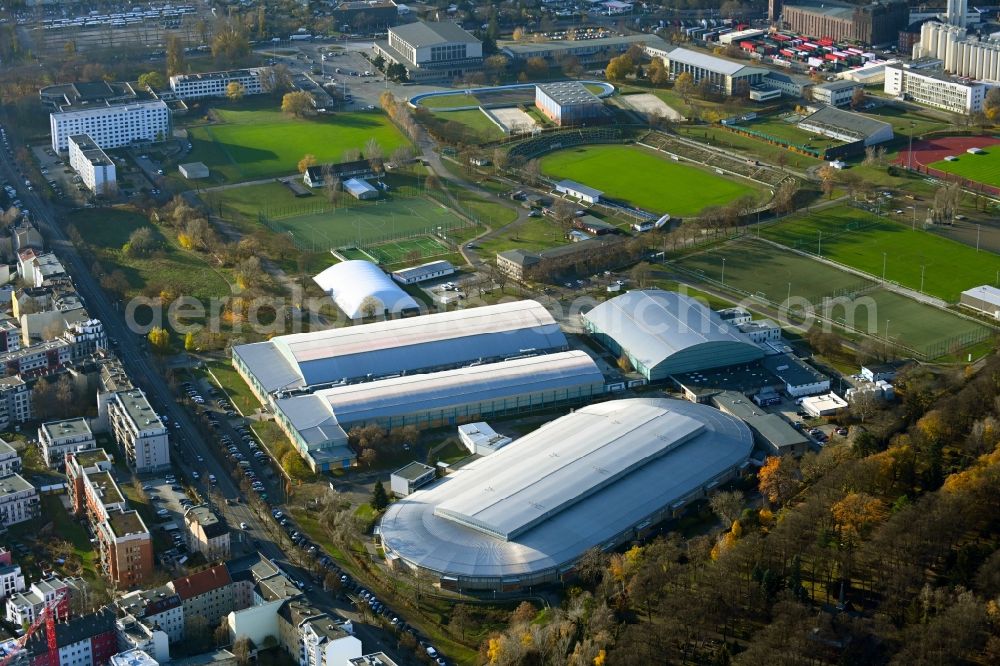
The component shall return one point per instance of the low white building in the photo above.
(139, 431)
(479, 438)
(764, 330)
(18, 500)
(936, 89)
(799, 379)
(847, 126)
(835, 93)
(404, 481)
(92, 164)
(423, 272)
(57, 438)
(360, 189)
(823, 405)
(984, 298)
(577, 191)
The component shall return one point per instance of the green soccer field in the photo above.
(860, 240)
(761, 269)
(262, 142)
(367, 224)
(984, 168)
(395, 252)
(645, 179)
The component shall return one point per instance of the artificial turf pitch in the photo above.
(757, 268)
(982, 168)
(368, 224)
(859, 239)
(645, 179)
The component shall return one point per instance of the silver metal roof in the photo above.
(443, 339)
(432, 33)
(324, 416)
(709, 62)
(669, 449)
(414, 393)
(653, 325)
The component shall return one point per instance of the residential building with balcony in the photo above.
(57, 438)
(139, 432)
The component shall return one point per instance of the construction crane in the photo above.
(47, 615)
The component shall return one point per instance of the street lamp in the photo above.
(922, 268)
(909, 154)
(723, 271)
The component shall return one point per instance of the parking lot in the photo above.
(169, 500)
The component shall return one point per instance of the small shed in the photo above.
(360, 189)
(404, 481)
(193, 170)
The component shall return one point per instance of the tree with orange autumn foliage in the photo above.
(778, 479)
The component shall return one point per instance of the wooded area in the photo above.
(885, 553)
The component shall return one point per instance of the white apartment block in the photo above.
(324, 643)
(936, 90)
(92, 164)
(15, 401)
(24, 607)
(11, 576)
(10, 462)
(57, 438)
(18, 500)
(214, 84)
(139, 431)
(11, 580)
(112, 126)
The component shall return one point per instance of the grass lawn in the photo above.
(233, 385)
(106, 230)
(644, 179)
(716, 136)
(475, 120)
(983, 168)
(758, 268)
(906, 122)
(858, 239)
(256, 140)
(790, 132)
(537, 233)
(64, 526)
(449, 101)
